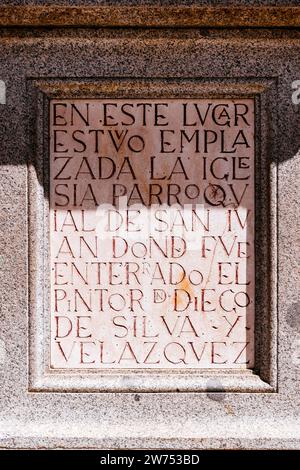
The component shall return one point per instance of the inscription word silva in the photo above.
(152, 233)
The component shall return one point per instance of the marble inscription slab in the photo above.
(152, 233)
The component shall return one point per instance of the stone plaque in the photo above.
(152, 233)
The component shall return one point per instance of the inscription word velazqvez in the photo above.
(152, 233)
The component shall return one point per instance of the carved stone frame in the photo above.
(264, 377)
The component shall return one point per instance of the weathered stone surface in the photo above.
(152, 16)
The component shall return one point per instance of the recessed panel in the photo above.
(152, 233)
